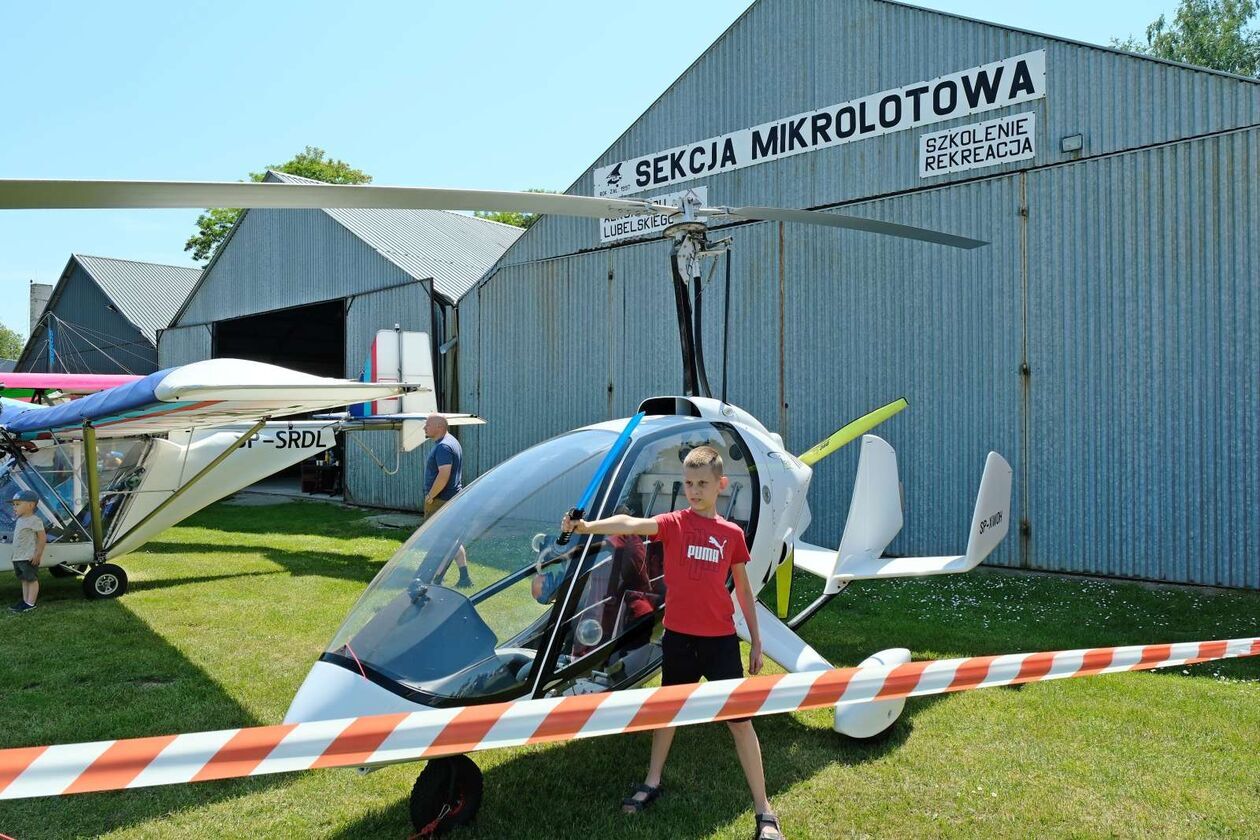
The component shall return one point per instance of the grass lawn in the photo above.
(227, 612)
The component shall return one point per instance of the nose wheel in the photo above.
(446, 795)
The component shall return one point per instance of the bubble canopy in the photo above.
(415, 634)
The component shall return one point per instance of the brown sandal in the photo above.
(768, 828)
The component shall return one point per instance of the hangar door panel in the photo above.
(1144, 347)
(183, 345)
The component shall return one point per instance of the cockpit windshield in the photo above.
(413, 626)
(57, 474)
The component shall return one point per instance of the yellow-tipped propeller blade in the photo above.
(851, 431)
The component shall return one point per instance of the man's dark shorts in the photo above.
(686, 658)
(24, 570)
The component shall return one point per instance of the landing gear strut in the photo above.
(68, 571)
(446, 795)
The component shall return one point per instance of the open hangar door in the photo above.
(311, 339)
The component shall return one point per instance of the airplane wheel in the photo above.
(104, 581)
(446, 795)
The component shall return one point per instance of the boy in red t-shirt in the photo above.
(700, 549)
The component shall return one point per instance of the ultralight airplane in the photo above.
(115, 468)
(556, 621)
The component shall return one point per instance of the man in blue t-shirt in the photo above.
(442, 480)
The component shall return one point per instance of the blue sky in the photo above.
(506, 95)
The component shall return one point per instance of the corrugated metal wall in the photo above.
(784, 57)
(366, 482)
(1126, 281)
(183, 345)
(278, 259)
(119, 346)
(1144, 294)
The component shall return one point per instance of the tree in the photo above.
(214, 224)
(11, 343)
(520, 220)
(1209, 33)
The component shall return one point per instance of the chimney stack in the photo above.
(40, 293)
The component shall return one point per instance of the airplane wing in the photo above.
(413, 736)
(208, 393)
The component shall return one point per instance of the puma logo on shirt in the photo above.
(708, 555)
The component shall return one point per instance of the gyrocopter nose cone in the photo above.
(867, 720)
(330, 692)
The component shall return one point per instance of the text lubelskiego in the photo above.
(638, 225)
(998, 84)
(973, 146)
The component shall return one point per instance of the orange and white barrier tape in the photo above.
(383, 739)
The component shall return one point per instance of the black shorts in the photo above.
(687, 658)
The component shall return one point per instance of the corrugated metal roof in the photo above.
(147, 294)
(453, 249)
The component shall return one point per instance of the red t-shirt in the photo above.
(699, 553)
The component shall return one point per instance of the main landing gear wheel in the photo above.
(104, 581)
(446, 795)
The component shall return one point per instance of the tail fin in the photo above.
(399, 356)
(875, 519)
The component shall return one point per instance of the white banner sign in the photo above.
(644, 224)
(995, 85)
(973, 146)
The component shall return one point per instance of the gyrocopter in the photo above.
(139, 454)
(556, 642)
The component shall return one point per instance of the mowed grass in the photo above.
(228, 611)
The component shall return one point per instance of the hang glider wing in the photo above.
(66, 383)
(208, 393)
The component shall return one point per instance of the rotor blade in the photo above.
(850, 432)
(813, 217)
(50, 195)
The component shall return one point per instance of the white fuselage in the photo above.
(169, 463)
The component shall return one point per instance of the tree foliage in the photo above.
(214, 224)
(11, 343)
(520, 220)
(1209, 33)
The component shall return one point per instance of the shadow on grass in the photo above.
(294, 518)
(330, 564)
(80, 671)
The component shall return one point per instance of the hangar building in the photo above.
(103, 316)
(308, 289)
(1106, 341)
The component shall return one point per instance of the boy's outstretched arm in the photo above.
(748, 603)
(619, 524)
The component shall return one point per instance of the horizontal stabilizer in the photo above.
(989, 524)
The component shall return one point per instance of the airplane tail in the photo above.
(402, 356)
(875, 519)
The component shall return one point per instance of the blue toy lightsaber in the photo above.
(618, 447)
